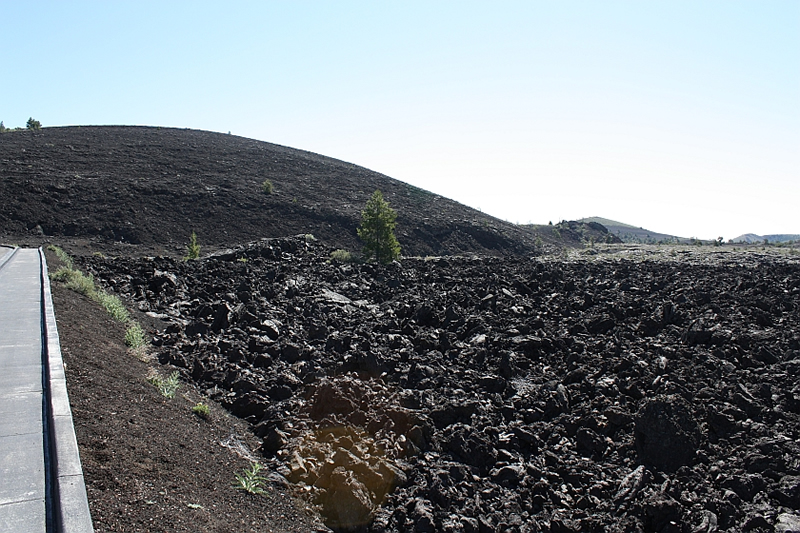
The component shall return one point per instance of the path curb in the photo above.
(5, 258)
(71, 504)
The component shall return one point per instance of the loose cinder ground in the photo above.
(150, 464)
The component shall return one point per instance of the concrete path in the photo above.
(41, 481)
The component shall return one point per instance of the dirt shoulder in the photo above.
(151, 464)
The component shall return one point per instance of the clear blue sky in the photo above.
(679, 116)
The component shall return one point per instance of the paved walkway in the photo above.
(41, 482)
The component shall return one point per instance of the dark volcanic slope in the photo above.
(500, 394)
(145, 185)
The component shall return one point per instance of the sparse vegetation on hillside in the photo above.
(33, 125)
(192, 249)
(342, 256)
(167, 386)
(377, 230)
(3, 128)
(202, 410)
(75, 280)
(112, 304)
(62, 256)
(267, 187)
(134, 337)
(215, 189)
(251, 480)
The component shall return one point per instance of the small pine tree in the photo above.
(192, 249)
(2, 127)
(33, 125)
(377, 230)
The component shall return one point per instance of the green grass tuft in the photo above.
(134, 336)
(62, 256)
(62, 274)
(250, 481)
(113, 305)
(202, 410)
(80, 283)
(168, 386)
(342, 256)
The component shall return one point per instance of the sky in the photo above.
(682, 117)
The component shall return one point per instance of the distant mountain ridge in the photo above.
(780, 237)
(632, 234)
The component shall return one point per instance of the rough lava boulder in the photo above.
(648, 392)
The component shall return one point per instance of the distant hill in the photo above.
(573, 233)
(153, 187)
(632, 234)
(752, 238)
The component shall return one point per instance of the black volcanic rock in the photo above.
(482, 394)
(666, 432)
(155, 186)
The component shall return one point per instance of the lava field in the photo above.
(472, 394)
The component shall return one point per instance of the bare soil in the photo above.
(115, 186)
(151, 464)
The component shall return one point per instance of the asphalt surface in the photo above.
(41, 482)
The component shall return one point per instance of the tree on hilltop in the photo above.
(377, 230)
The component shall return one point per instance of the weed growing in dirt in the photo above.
(113, 306)
(202, 410)
(250, 480)
(62, 256)
(63, 274)
(267, 187)
(168, 386)
(192, 249)
(75, 280)
(134, 336)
